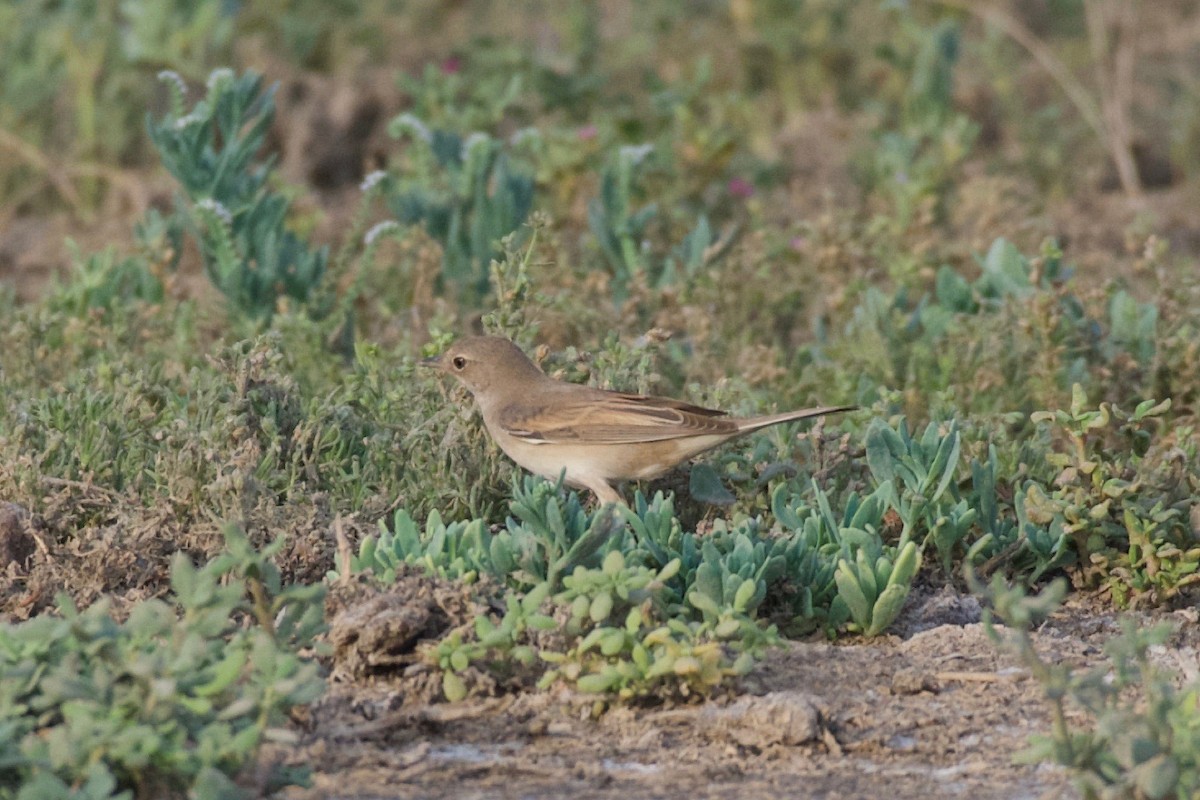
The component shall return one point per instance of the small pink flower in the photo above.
(586, 133)
(452, 65)
(740, 187)
(799, 243)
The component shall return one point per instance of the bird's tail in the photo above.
(754, 423)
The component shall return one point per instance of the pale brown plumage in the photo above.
(592, 437)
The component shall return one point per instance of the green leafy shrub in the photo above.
(618, 226)
(550, 535)
(1125, 519)
(636, 600)
(547, 538)
(620, 636)
(1015, 337)
(923, 470)
(102, 281)
(178, 697)
(630, 642)
(469, 193)
(1142, 737)
(873, 590)
(621, 229)
(923, 142)
(839, 570)
(249, 253)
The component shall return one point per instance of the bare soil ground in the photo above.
(935, 711)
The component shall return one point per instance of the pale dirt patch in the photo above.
(938, 711)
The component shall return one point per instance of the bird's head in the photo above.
(489, 364)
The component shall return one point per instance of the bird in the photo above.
(590, 438)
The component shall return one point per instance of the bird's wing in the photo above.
(602, 417)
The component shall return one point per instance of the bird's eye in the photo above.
(459, 362)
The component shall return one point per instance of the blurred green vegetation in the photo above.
(930, 75)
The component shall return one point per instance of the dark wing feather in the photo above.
(666, 402)
(600, 417)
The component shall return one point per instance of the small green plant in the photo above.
(1132, 326)
(1037, 546)
(178, 697)
(640, 606)
(1143, 738)
(249, 253)
(920, 474)
(618, 226)
(698, 250)
(621, 230)
(839, 569)
(1122, 518)
(500, 646)
(813, 549)
(453, 97)
(792, 574)
(623, 636)
(549, 536)
(923, 142)
(104, 281)
(633, 640)
(469, 193)
(873, 587)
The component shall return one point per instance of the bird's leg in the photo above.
(605, 493)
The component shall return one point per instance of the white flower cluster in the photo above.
(380, 229)
(221, 212)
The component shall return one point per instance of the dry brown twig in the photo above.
(62, 175)
(1111, 32)
(1112, 25)
(343, 546)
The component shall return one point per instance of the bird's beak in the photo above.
(432, 361)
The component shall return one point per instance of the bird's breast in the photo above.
(585, 463)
